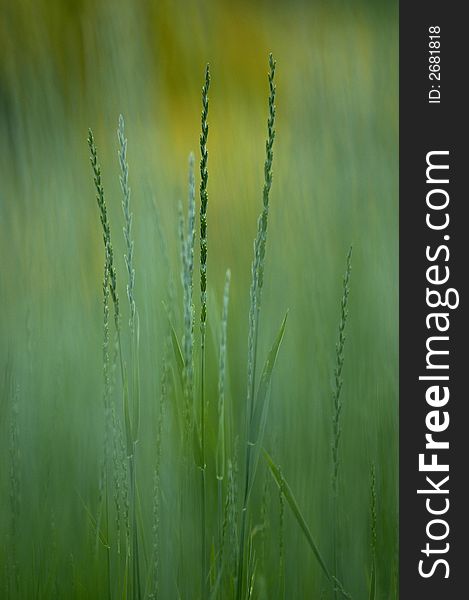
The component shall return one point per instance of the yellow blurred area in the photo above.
(150, 55)
(69, 65)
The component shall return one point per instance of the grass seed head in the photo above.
(204, 198)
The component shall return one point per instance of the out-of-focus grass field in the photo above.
(67, 66)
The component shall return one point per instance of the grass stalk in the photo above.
(132, 409)
(187, 259)
(203, 313)
(257, 274)
(337, 410)
(164, 384)
(109, 289)
(221, 450)
(107, 412)
(109, 253)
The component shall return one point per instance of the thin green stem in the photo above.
(257, 282)
(220, 451)
(203, 491)
(108, 547)
(337, 408)
(136, 584)
(220, 521)
(203, 313)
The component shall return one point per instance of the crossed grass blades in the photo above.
(217, 474)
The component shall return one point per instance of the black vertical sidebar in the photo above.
(428, 127)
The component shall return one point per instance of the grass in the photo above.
(203, 321)
(337, 409)
(102, 411)
(257, 271)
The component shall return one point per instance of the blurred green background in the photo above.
(69, 65)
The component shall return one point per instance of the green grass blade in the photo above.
(262, 393)
(127, 418)
(178, 355)
(197, 447)
(258, 422)
(94, 524)
(136, 382)
(141, 528)
(286, 490)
